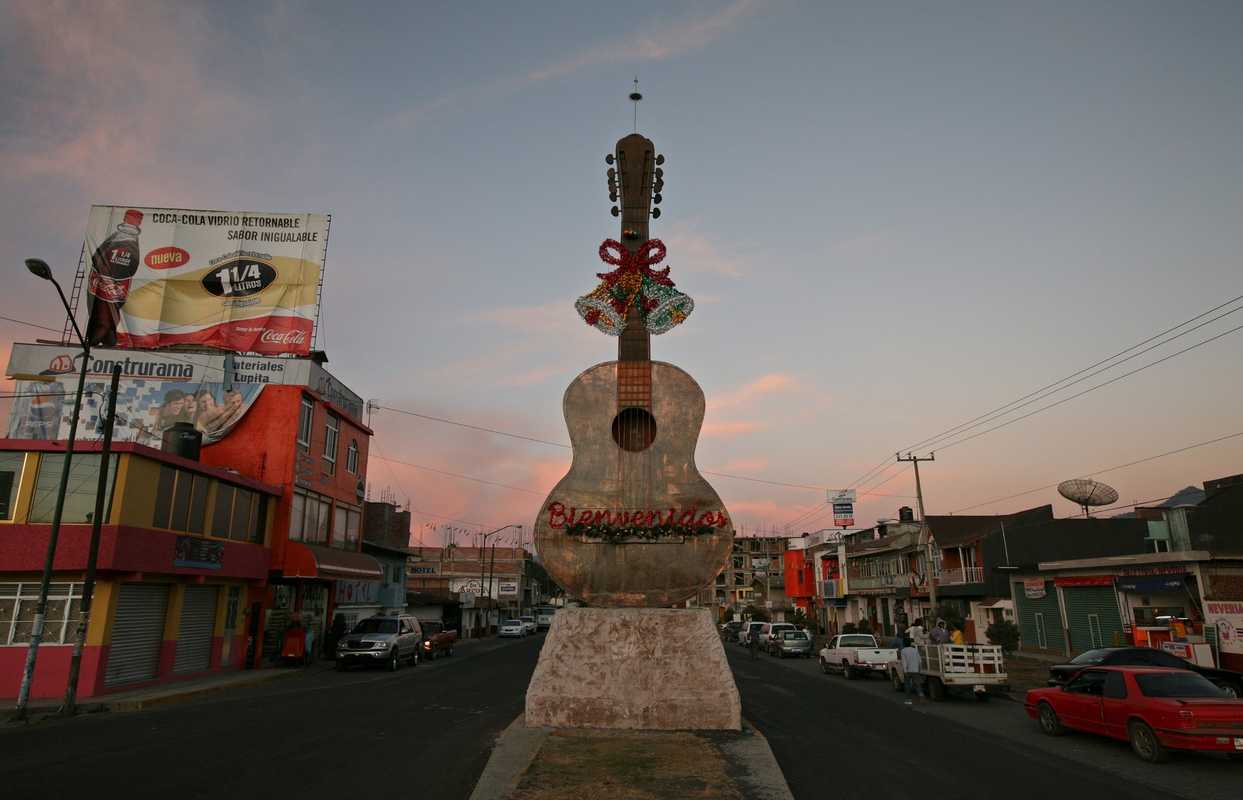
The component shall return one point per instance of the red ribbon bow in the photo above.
(641, 261)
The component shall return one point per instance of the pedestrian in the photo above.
(310, 642)
(910, 670)
(940, 634)
(956, 636)
(916, 633)
(753, 643)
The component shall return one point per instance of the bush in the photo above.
(799, 619)
(1004, 633)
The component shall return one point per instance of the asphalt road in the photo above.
(857, 739)
(421, 732)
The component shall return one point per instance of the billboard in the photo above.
(211, 391)
(843, 503)
(239, 281)
(1226, 617)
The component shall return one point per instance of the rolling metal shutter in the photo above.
(1027, 610)
(1084, 602)
(198, 622)
(137, 633)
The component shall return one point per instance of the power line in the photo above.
(1092, 388)
(1012, 405)
(563, 445)
(31, 324)
(1040, 394)
(1107, 469)
(462, 477)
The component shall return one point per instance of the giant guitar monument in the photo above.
(633, 528)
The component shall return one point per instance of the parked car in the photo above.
(543, 618)
(730, 631)
(1157, 709)
(1229, 682)
(437, 641)
(785, 643)
(856, 655)
(748, 630)
(513, 627)
(529, 623)
(771, 629)
(387, 640)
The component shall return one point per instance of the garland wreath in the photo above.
(661, 306)
(614, 534)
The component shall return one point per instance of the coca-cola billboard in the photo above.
(240, 281)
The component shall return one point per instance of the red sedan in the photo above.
(1157, 709)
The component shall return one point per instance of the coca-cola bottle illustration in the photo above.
(113, 264)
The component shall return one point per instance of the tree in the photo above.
(755, 614)
(799, 619)
(1004, 633)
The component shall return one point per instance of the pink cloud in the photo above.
(692, 251)
(745, 394)
(743, 465)
(727, 429)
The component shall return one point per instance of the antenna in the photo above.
(635, 97)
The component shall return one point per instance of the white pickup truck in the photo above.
(855, 655)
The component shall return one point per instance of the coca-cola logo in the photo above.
(166, 258)
(240, 277)
(108, 289)
(283, 337)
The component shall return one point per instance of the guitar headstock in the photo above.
(636, 180)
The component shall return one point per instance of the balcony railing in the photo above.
(960, 575)
(831, 590)
(877, 581)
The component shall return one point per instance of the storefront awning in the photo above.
(310, 561)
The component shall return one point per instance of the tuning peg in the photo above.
(612, 197)
(608, 159)
(656, 198)
(614, 211)
(612, 173)
(655, 213)
(660, 159)
(660, 173)
(660, 184)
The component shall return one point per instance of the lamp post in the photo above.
(42, 270)
(97, 520)
(483, 544)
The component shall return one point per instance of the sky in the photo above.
(893, 217)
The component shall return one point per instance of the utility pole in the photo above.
(923, 524)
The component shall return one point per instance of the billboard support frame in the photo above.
(319, 289)
(75, 294)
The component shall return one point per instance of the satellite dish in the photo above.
(1087, 493)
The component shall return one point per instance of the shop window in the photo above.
(17, 612)
(338, 527)
(79, 493)
(351, 457)
(239, 514)
(305, 421)
(332, 431)
(10, 478)
(297, 509)
(181, 500)
(353, 520)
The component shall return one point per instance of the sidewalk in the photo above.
(152, 696)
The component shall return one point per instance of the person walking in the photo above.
(753, 643)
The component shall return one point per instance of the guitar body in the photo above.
(651, 484)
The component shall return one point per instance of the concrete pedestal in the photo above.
(633, 668)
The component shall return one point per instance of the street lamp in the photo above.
(483, 544)
(40, 269)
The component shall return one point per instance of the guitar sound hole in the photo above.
(634, 429)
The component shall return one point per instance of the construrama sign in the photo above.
(238, 281)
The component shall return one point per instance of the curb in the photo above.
(163, 699)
